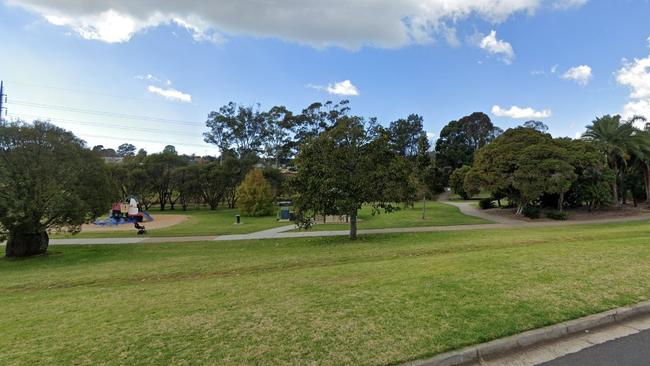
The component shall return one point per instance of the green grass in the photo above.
(201, 222)
(327, 301)
(437, 214)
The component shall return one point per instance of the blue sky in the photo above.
(170, 62)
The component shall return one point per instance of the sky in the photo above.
(148, 72)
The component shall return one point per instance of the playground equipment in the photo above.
(126, 212)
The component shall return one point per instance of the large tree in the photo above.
(160, 168)
(211, 184)
(236, 128)
(277, 134)
(345, 167)
(49, 180)
(405, 133)
(125, 150)
(460, 140)
(524, 164)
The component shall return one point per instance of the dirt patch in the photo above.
(581, 214)
(159, 222)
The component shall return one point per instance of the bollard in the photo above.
(238, 217)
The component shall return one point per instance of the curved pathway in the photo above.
(467, 208)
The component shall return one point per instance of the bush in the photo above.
(557, 215)
(457, 182)
(486, 204)
(532, 212)
(255, 195)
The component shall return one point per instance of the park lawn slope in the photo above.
(437, 214)
(201, 222)
(380, 300)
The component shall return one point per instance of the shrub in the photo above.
(457, 182)
(255, 195)
(472, 183)
(557, 215)
(532, 212)
(486, 204)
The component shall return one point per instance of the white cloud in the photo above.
(498, 47)
(148, 77)
(566, 4)
(636, 76)
(344, 87)
(648, 42)
(520, 113)
(552, 71)
(343, 23)
(170, 94)
(581, 74)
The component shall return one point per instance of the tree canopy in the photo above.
(49, 180)
(459, 141)
(348, 165)
(525, 164)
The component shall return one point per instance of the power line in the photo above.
(127, 138)
(102, 113)
(98, 124)
(80, 91)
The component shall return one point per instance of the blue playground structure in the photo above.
(127, 212)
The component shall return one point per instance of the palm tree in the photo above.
(643, 154)
(617, 140)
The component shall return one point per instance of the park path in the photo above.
(467, 208)
(284, 232)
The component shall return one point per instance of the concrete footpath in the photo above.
(285, 232)
(567, 343)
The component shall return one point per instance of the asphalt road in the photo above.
(633, 350)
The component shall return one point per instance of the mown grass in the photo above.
(437, 214)
(201, 222)
(327, 301)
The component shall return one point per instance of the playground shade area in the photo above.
(159, 222)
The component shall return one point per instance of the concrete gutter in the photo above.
(534, 337)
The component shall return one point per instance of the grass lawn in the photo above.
(201, 222)
(380, 300)
(437, 214)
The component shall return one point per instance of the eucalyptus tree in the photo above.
(236, 128)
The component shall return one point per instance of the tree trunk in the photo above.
(615, 185)
(353, 225)
(560, 202)
(424, 206)
(520, 210)
(26, 245)
(646, 175)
